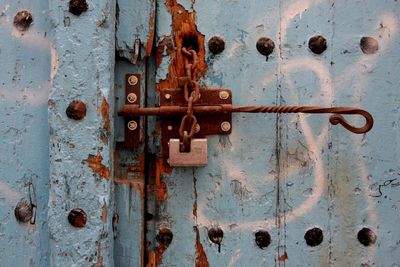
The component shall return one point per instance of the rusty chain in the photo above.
(191, 92)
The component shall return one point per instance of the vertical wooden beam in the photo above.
(81, 150)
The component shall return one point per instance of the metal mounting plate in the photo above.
(209, 124)
(132, 88)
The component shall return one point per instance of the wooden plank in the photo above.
(25, 58)
(135, 20)
(81, 151)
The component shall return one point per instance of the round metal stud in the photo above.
(216, 45)
(225, 126)
(132, 125)
(263, 239)
(77, 218)
(170, 127)
(265, 46)
(314, 237)
(223, 95)
(23, 20)
(167, 96)
(366, 236)
(23, 211)
(369, 45)
(76, 110)
(131, 98)
(133, 80)
(317, 44)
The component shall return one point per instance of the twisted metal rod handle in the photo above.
(334, 119)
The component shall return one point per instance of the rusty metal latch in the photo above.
(189, 113)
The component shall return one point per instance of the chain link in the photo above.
(191, 93)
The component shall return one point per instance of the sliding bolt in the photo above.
(132, 125)
(225, 126)
(132, 80)
(131, 98)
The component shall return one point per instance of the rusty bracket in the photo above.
(208, 124)
(209, 110)
(132, 123)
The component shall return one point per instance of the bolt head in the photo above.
(77, 218)
(132, 125)
(317, 44)
(225, 126)
(170, 127)
(131, 98)
(216, 45)
(133, 80)
(223, 95)
(167, 96)
(76, 110)
(265, 46)
(23, 211)
(77, 7)
(23, 20)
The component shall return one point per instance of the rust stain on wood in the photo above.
(160, 186)
(152, 26)
(104, 113)
(184, 34)
(283, 257)
(201, 257)
(95, 163)
(99, 262)
(104, 212)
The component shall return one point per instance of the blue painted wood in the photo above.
(24, 86)
(135, 20)
(290, 173)
(81, 152)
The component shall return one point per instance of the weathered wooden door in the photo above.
(322, 195)
(279, 190)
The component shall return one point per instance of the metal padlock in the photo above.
(197, 157)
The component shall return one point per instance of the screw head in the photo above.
(216, 45)
(225, 126)
(77, 218)
(197, 128)
(265, 46)
(167, 96)
(133, 80)
(76, 110)
(170, 127)
(132, 97)
(223, 95)
(132, 125)
(23, 211)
